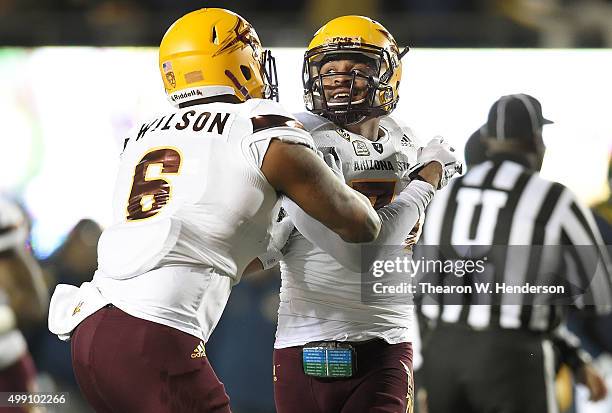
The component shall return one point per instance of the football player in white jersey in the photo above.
(23, 301)
(196, 192)
(333, 351)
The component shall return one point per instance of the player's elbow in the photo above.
(363, 229)
(371, 228)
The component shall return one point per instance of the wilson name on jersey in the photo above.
(190, 194)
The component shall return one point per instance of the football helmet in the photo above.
(362, 40)
(211, 52)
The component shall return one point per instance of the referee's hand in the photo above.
(588, 376)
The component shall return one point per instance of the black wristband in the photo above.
(417, 177)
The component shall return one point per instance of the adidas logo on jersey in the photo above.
(406, 141)
(199, 351)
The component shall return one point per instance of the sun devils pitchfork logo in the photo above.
(167, 66)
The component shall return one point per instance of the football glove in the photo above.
(279, 235)
(438, 150)
(332, 159)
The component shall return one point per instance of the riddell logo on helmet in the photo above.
(191, 93)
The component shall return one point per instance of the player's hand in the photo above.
(437, 150)
(332, 159)
(588, 376)
(281, 230)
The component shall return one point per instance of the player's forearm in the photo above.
(397, 220)
(370, 228)
(302, 176)
(346, 253)
(401, 215)
(431, 173)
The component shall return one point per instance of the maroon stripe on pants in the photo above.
(18, 377)
(381, 383)
(126, 364)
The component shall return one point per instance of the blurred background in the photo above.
(76, 75)
(420, 23)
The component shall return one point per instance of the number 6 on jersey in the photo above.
(150, 191)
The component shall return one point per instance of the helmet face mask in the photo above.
(365, 74)
(270, 75)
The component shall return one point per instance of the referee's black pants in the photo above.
(491, 371)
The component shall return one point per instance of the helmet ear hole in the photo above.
(215, 38)
(246, 72)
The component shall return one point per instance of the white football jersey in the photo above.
(191, 210)
(13, 234)
(320, 299)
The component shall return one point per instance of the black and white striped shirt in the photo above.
(502, 203)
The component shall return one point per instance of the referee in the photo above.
(495, 352)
